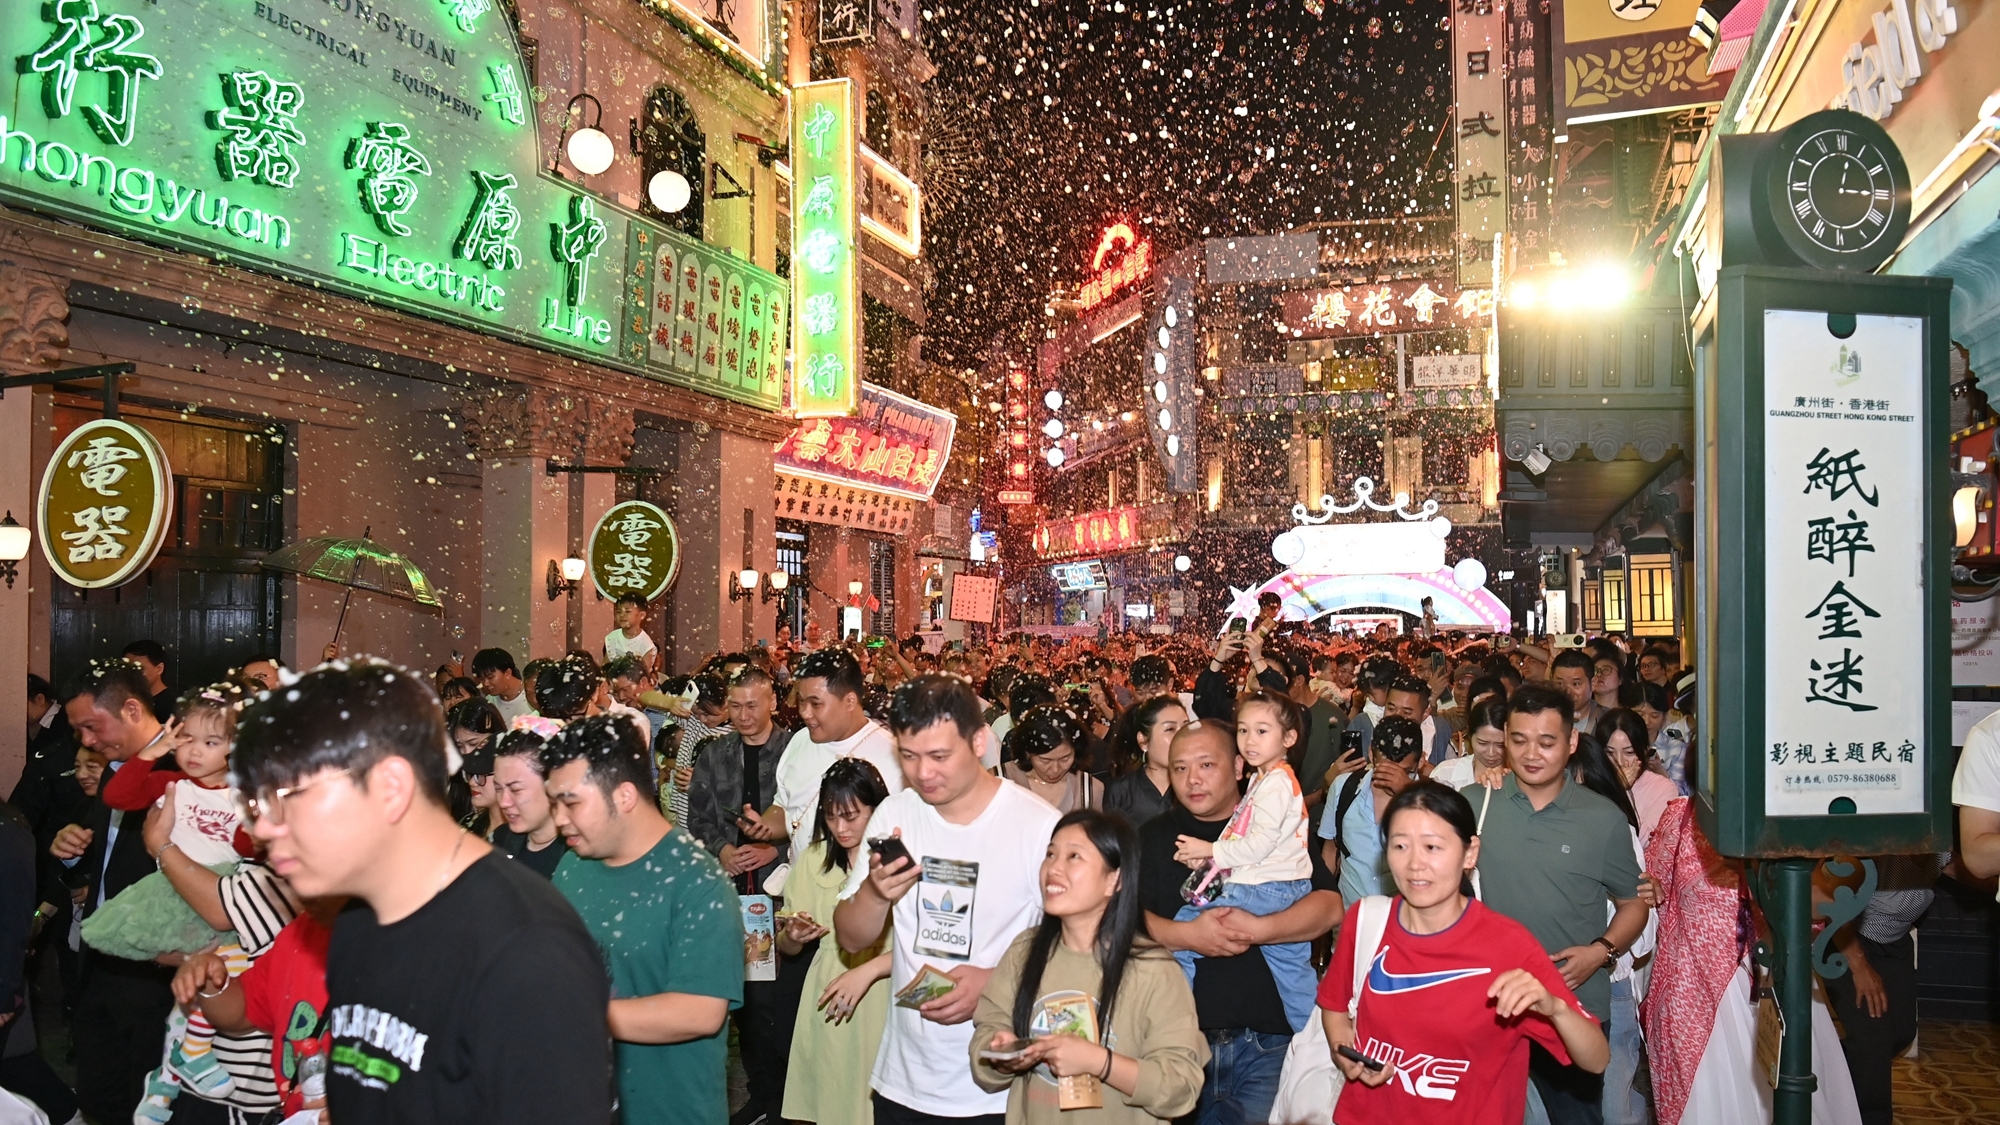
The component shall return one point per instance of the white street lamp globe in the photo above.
(669, 191)
(1182, 563)
(1053, 428)
(589, 151)
(1053, 400)
(1055, 457)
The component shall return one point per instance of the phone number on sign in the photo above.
(1799, 782)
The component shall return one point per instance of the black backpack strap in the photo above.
(1350, 788)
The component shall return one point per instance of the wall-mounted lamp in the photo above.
(589, 149)
(775, 585)
(854, 589)
(565, 576)
(13, 547)
(745, 584)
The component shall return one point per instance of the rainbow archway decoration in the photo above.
(1308, 597)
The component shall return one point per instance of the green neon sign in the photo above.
(826, 373)
(383, 149)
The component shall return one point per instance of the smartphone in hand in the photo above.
(888, 849)
(1354, 1056)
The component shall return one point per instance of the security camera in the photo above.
(1537, 461)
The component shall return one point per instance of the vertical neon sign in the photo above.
(826, 299)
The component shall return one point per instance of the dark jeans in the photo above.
(1571, 1094)
(895, 1113)
(1242, 1079)
(120, 1022)
(1872, 1044)
(764, 1032)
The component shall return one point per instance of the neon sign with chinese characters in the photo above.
(826, 299)
(893, 444)
(1093, 533)
(1135, 263)
(389, 157)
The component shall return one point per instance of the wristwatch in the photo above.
(1608, 947)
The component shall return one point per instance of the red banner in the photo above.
(1093, 533)
(1381, 307)
(893, 444)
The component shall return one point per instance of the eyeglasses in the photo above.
(272, 807)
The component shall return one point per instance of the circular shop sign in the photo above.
(634, 549)
(105, 502)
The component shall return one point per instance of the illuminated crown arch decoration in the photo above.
(1337, 567)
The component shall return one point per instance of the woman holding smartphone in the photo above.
(835, 1037)
(1453, 991)
(1088, 968)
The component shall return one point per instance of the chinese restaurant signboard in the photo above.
(386, 154)
(1622, 58)
(634, 549)
(816, 500)
(1843, 523)
(1390, 306)
(105, 505)
(894, 444)
(826, 295)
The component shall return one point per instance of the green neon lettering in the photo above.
(279, 225)
(492, 298)
(131, 200)
(82, 177)
(255, 231)
(215, 217)
(178, 201)
(356, 259)
(69, 164)
(27, 145)
(427, 276)
(402, 271)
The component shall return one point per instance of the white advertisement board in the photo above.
(1843, 561)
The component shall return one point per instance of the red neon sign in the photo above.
(1134, 266)
(1092, 533)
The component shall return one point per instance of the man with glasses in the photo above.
(426, 972)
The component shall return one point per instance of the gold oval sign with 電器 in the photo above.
(105, 502)
(634, 549)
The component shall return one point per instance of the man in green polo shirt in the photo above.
(1552, 854)
(669, 926)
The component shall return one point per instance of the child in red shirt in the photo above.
(283, 995)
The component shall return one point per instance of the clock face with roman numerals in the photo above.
(1839, 191)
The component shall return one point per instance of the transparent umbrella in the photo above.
(358, 564)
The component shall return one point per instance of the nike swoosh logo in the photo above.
(1381, 980)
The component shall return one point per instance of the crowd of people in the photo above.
(1274, 875)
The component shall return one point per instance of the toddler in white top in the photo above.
(1259, 864)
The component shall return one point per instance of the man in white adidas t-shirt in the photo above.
(970, 886)
(829, 687)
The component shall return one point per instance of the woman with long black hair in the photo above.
(1085, 993)
(1144, 791)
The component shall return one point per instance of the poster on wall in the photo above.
(1975, 644)
(1843, 622)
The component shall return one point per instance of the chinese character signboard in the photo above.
(1621, 58)
(1447, 371)
(105, 504)
(1478, 30)
(819, 500)
(394, 160)
(1823, 616)
(634, 549)
(846, 21)
(1121, 259)
(826, 295)
(736, 340)
(1528, 112)
(1844, 467)
(1382, 307)
(893, 444)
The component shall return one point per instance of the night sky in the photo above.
(1051, 119)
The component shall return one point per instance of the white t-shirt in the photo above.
(805, 762)
(1977, 782)
(617, 644)
(511, 709)
(996, 862)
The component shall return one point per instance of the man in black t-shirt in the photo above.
(461, 985)
(1235, 998)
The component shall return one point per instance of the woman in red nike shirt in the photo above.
(1454, 992)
